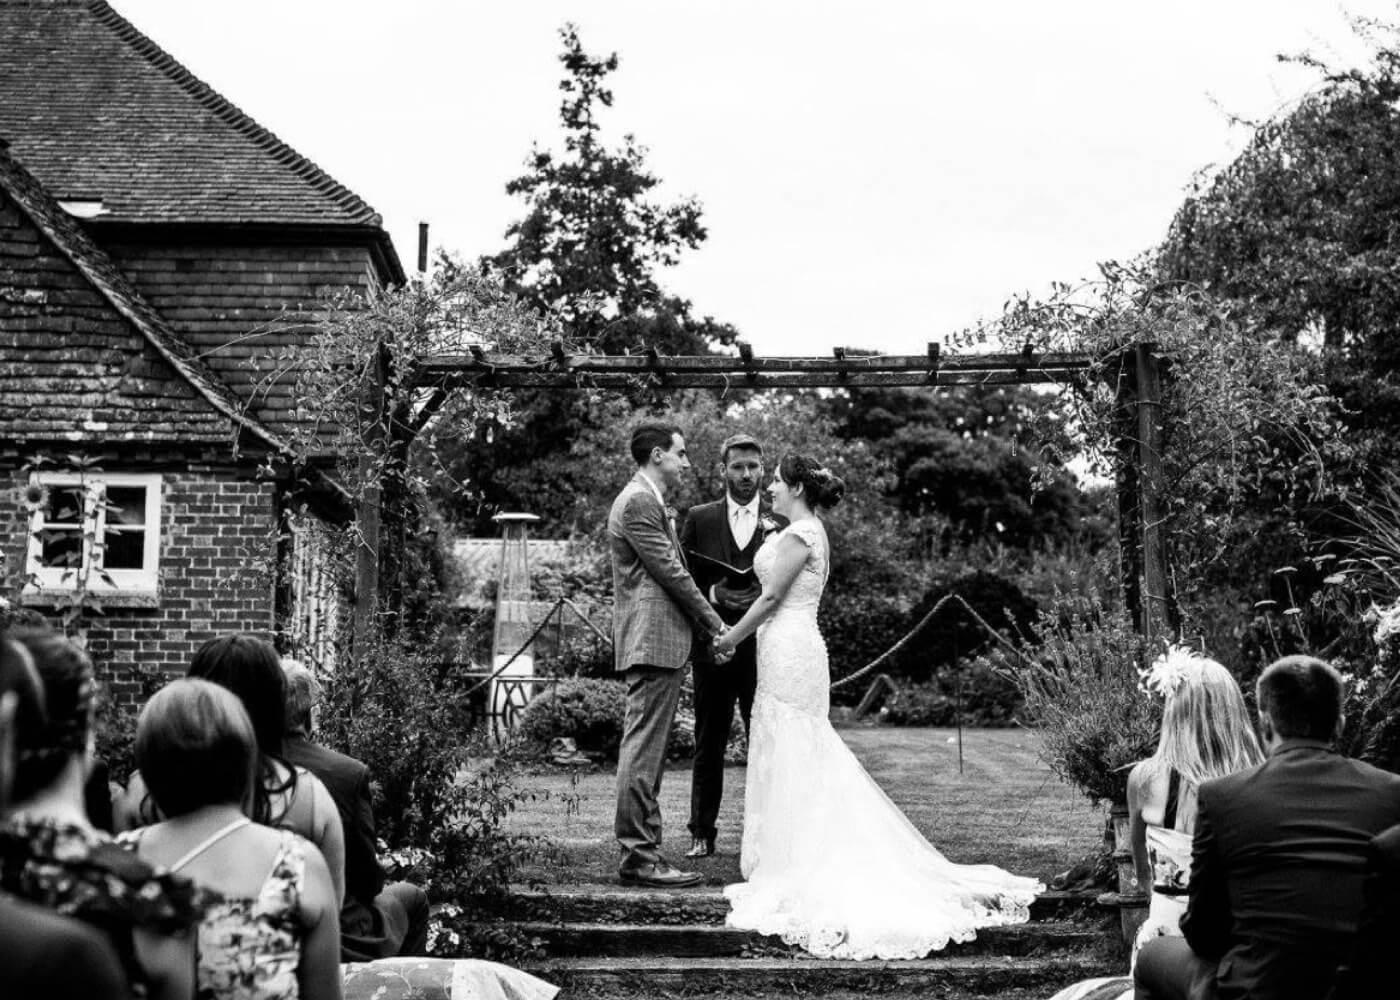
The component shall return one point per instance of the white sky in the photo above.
(874, 174)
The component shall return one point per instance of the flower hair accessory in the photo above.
(1168, 671)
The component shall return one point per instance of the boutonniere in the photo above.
(672, 513)
(767, 525)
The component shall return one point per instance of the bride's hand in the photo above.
(723, 646)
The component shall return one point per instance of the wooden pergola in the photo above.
(1134, 373)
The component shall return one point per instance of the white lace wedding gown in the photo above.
(832, 865)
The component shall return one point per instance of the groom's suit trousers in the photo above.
(652, 694)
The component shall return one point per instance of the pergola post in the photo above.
(368, 505)
(1158, 617)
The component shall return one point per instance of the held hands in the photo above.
(722, 647)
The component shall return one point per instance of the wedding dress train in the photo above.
(831, 864)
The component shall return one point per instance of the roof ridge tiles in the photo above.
(230, 113)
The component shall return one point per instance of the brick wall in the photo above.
(216, 550)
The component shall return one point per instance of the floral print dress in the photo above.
(80, 872)
(249, 949)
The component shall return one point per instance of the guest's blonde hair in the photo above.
(1207, 731)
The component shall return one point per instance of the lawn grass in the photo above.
(1005, 808)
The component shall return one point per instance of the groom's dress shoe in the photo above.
(701, 847)
(658, 876)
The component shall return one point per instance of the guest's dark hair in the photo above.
(652, 434)
(19, 678)
(822, 487)
(251, 669)
(1302, 696)
(195, 747)
(52, 729)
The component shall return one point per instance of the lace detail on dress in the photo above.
(832, 865)
(791, 651)
(249, 949)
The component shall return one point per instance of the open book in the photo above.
(734, 577)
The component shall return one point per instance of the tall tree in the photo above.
(588, 251)
(594, 239)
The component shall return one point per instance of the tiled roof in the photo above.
(96, 110)
(104, 276)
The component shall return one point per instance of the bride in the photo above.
(831, 863)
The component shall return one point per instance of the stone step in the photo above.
(599, 903)
(615, 940)
(945, 976)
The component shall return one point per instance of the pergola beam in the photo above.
(746, 371)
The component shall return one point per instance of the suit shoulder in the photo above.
(705, 511)
(1387, 780)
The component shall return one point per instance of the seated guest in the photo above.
(1368, 974)
(283, 796)
(51, 855)
(1206, 733)
(45, 956)
(1279, 856)
(272, 933)
(376, 920)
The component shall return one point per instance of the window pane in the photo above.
(65, 505)
(124, 549)
(61, 547)
(126, 505)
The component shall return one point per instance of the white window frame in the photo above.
(91, 575)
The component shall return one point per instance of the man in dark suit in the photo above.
(1369, 973)
(1279, 856)
(376, 920)
(726, 531)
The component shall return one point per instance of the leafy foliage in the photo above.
(1078, 674)
(590, 710)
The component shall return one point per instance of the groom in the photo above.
(655, 604)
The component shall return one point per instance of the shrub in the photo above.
(591, 711)
(405, 716)
(988, 698)
(858, 626)
(1079, 677)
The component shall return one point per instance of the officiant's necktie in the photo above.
(743, 527)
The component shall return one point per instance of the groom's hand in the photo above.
(721, 651)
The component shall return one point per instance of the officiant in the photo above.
(720, 539)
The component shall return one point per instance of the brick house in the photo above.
(157, 246)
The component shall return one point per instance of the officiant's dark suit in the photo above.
(1279, 856)
(710, 533)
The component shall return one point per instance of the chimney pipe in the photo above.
(422, 247)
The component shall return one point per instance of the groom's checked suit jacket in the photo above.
(655, 600)
(1278, 862)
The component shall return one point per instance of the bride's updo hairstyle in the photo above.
(822, 487)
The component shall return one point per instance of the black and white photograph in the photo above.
(614, 500)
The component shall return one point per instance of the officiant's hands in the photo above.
(737, 598)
